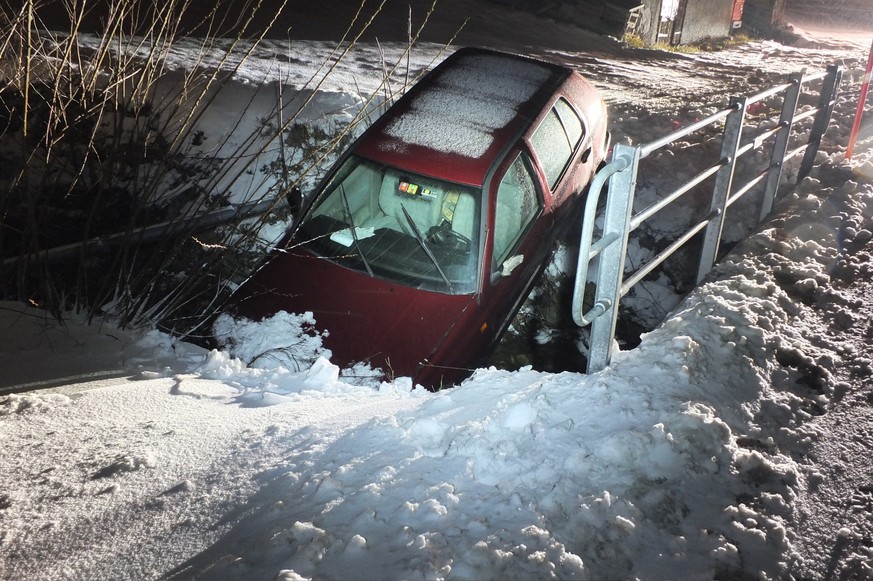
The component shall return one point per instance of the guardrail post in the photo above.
(780, 144)
(610, 271)
(733, 131)
(830, 86)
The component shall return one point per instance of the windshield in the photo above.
(410, 229)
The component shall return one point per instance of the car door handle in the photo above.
(586, 154)
(511, 264)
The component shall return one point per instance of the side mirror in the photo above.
(511, 264)
(294, 199)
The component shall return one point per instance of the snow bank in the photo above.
(683, 459)
(681, 456)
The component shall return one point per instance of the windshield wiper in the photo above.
(425, 247)
(348, 212)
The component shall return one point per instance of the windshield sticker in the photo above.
(408, 188)
(416, 191)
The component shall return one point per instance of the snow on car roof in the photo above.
(467, 103)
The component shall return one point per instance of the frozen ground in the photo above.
(734, 442)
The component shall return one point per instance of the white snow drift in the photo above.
(688, 457)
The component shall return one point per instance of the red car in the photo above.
(427, 235)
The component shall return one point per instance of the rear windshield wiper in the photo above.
(425, 247)
(348, 212)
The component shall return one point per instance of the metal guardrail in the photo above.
(610, 249)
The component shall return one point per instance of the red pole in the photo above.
(860, 111)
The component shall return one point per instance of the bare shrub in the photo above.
(109, 200)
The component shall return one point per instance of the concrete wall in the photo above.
(650, 21)
(706, 18)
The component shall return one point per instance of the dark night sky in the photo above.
(490, 22)
(328, 19)
(301, 19)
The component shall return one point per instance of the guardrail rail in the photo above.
(608, 251)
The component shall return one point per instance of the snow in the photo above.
(435, 121)
(267, 339)
(734, 442)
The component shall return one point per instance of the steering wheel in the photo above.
(443, 235)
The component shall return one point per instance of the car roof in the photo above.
(457, 121)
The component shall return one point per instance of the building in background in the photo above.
(764, 17)
(688, 21)
(668, 21)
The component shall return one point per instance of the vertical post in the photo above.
(610, 271)
(828, 98)
(862, 100)
(595, 188)
(730, 144)
(780, 144)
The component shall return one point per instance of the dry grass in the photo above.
(90, 152)
(705, 45)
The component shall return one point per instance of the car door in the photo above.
(517, 241)
(528, 194)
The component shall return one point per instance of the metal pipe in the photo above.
(675, 195)
(594, 191)
(750, 184)
(648, 148)
(859, 112)
(639, 275)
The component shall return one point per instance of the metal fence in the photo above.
(607, 253)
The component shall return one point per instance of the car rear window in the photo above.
(556, 139)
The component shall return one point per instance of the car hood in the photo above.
(367, 319)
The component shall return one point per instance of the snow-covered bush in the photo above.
(127, 189)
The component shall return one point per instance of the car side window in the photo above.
(517, 206)
(556, 139)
